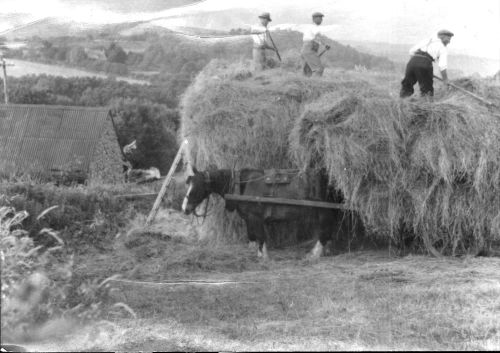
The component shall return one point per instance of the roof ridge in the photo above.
(55, 107)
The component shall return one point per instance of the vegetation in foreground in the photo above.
(40, 295)
(362, 300)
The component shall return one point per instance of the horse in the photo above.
(258, 218)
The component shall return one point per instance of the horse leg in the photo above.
(262, 237)
(256, 234)
(252, 237)
(322, 231)
(262, 251)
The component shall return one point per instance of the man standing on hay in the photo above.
(419, 68)
(311, 42)
(261, 42)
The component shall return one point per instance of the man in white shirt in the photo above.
(261, 42)
(419, 68)
(311, 42)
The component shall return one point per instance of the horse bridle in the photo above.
(208, 181)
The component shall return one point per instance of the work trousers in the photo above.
(259, 59)
(312, 65)
(419, 69)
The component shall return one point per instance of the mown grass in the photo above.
(363, 300)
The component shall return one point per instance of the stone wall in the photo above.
(106, 165)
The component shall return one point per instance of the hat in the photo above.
(266, 15)
(445, 32)
(318, 14)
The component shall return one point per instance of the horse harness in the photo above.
(272, 178)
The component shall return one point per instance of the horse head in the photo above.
(198, 184)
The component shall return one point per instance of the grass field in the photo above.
(354, 301)
(22, 67)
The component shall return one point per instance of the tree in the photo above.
(115, 54)
(77, 55)
(151, 126)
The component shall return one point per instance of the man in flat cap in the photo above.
(419, 68)
(261, 42)
(312, 65)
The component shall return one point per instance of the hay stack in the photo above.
(430, 168)
(236, 119)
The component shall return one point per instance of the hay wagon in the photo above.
(286, 187)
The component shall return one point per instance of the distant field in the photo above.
(22, 68)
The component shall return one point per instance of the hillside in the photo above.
(156, 49)
(461, 64)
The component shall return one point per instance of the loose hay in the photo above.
(236, 119)
(409, 165)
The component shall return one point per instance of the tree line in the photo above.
(169, 53)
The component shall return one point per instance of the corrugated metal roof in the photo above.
(38, 138)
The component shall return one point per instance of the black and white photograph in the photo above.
(265, 175)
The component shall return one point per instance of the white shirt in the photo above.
(311, 32)
(435, 48)
(262, 38)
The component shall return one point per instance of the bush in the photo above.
(37, 283)
(85, 217)
(153, 126)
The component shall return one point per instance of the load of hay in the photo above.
(234, 118)
(411, 167)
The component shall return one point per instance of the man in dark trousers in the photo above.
(419, 68)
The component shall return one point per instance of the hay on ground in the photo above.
(432, 169)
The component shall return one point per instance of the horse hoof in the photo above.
(262, 252)
(312, 258)
(315, 253)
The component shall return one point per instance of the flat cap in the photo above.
(445, 32)
(318, 14)
(266, 15)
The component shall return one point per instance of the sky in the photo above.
(476, 24)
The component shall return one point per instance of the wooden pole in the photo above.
(5, 91)
(166, 182)
(274, 45)
(282, 201)
(323, 52)
(466, 92)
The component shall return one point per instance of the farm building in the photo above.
(59, 143)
